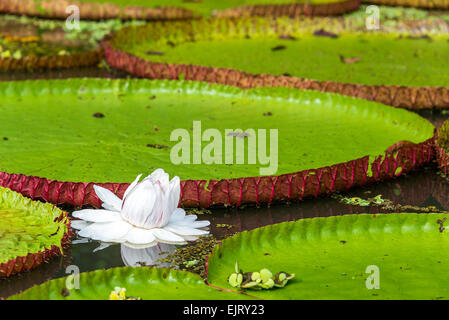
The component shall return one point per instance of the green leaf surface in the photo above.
(144, 283)
(27, 226)
(205, 7)
(256, 46)
(330, 257)
(86, 130)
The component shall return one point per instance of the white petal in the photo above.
(188, 222)
(167, 236)
(199, 224)
(172, 198)
(110, 200)
(140, 203)
(102, 246)
(131, 186)
(190, 217)
(79, 224)
(140, 236)
(96, 215)
(107, 231)
(191, 238)
(80, 241)
(185, 230)
(178, 214)
(159, 175)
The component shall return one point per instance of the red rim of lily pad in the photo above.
(442, 158)
(409, 97)
(234, 192)
(83, 59)
(292, 10)
(91, 11)
(427, 4)
(97, 11)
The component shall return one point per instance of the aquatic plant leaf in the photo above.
(179, 9)
(30, 232)
(382, 67)
(333, 257)
(442, 147)
(144, 283)
(428, 4)
(342, 141)
(22, 53)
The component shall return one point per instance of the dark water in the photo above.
(420, 188)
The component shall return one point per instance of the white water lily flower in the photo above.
(148, 214)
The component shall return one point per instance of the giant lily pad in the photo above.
(177, 9)
(144, 283)
(95, 130)
(31, 53)
(30, 232)
(384, 67)
(334, 257)
(428, 4)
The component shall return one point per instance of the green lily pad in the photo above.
(144, 283)
(176, 9)
(32, 53)
(98, 130)
(293, 48)
(335, 257)
(30, 232)
(428, 4)
(206, 7)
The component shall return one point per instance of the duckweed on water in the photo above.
(198, 211)
(385, 204)
(192, 257)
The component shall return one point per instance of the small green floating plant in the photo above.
(262, 279)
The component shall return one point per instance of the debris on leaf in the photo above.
(238, 134)
(156, 146)
(281, 278)
(441, 222)
(286, 37)
(324, 33)
(155, 53)
(277, 48)
(263, 279)
(120, 294)
(98, 115)
(349, 60)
